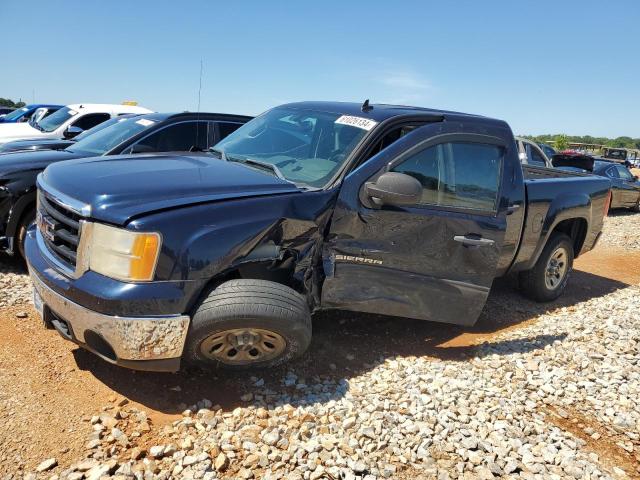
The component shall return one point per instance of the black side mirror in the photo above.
(71, 132)
(393, 188)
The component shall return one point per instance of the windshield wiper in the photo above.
(257, 163)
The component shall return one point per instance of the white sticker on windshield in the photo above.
(72, 113)
(144, 122)
(363, 123)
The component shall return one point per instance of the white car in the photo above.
(67, 122)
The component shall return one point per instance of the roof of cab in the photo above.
(382, 112)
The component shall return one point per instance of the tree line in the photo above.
(5, 102)
(562, 141)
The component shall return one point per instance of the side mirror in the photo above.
(393, 188)
(71, 132)
(23, 119)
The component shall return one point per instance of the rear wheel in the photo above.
(636, 207)
(25, 222)
(548, 278)
(249, 324)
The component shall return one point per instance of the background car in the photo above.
(547, 149)
(625, 187)
(23, 114)
(67, 122)
(531, 154)
(5, 110)
(55, 143)
(153, 133)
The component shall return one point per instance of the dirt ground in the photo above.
(49, 388)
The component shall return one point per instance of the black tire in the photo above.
(255, 305)
(533, 282)
(27, 219)
(636, 207)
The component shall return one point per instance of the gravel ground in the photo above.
(556, 397)
(622, 230)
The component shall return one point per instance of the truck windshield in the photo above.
(53, 121)
(17, 113)
(104, 139)
(308, 147)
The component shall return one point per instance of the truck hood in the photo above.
(35, 144)
(22, 161)
(118, 188)
(18, 131)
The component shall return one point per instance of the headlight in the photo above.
(123, 254)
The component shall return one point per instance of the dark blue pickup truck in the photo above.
(220, 258)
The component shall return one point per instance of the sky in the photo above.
(544, 66)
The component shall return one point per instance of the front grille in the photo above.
(60, 229)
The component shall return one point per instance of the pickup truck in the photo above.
(66, 122)
(220, 258)
(154, 132)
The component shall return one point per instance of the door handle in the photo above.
(473, 241)
(513, 208)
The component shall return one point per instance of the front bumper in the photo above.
(143, 343)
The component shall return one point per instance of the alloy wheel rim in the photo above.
(242, 346)
(556, 269)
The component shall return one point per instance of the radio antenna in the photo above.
(195, 147)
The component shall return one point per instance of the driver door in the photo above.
(413, 260)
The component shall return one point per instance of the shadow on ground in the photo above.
(346, 344)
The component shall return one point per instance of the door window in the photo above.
(612, 173)
(624, 173)
(181, 137)
(90, 120)
(458, 174)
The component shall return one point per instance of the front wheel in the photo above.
(249, 324)
(548, 278)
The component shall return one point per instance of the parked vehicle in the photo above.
(617, 154)
(67, 122)
(625, 187)
(23, 114)
(150, 133)
(5, 110)
(532, 154)
(55, 143)
(548, 150)
(222, 259)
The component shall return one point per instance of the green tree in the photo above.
(5, 102)
(561, 142)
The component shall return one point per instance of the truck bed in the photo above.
(532, 172)
(552, 195)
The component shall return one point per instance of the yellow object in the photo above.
(144, 255)
(131, 103)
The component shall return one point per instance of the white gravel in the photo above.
(621, 230)
(555, 399)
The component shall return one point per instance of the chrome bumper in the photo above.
(132, 339)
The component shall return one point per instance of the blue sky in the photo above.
(544, 66)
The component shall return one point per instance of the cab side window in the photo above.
(90, 120)
(181, 137)
(458, 174)
(624, 173)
